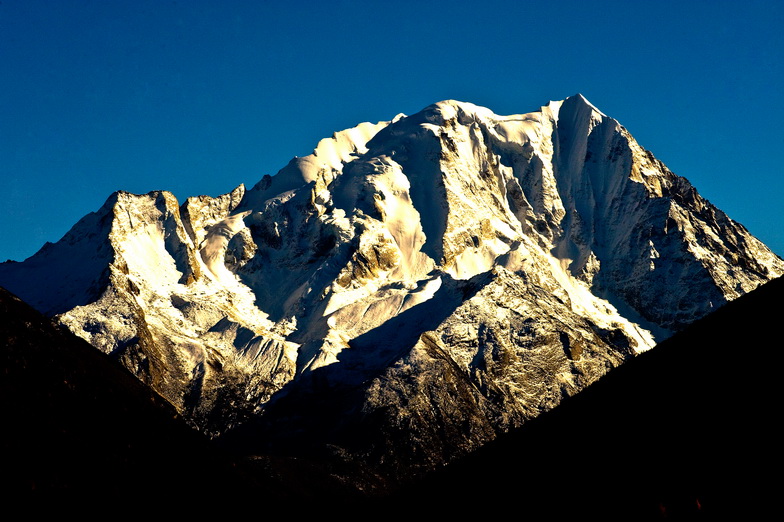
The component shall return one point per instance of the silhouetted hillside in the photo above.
(689, 430)
(79, 429)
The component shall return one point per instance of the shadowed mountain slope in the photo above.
(689, 430)
(79, 430)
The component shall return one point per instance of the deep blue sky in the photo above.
(198, 97)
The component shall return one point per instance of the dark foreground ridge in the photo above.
(80, 431)
(687, 431)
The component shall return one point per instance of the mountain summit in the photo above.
(408, 290)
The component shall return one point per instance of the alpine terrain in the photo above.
(404, 294)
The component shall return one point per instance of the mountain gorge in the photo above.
(407, 292)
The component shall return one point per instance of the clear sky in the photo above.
(196, 97)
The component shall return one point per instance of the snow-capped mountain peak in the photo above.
(451, 268)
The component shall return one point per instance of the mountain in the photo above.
(406, 293)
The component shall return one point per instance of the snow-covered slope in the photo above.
(457, 270)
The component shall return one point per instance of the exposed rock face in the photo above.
(432, 280)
